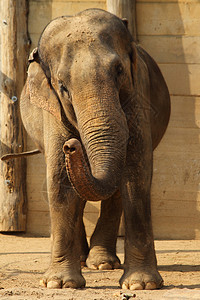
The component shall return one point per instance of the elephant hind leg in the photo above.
(102, 253)
(84, 248)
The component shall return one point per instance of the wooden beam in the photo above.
(125, 9)
(15, 44)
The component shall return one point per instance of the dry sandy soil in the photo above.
(23, 260)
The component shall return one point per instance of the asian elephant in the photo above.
(96, 105)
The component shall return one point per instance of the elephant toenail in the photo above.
(136, 286)
(43, 283)
(150, 286)
(94, 267)
(105, 266)
(54, 285)
(125, 286)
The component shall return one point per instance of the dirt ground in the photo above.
(23, 259)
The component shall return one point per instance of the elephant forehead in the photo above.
(88, 45)
(88, 27)
(89, 31)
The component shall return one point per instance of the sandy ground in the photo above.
(23, 260)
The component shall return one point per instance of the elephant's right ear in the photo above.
(41, 93)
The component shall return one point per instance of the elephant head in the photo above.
(84, 74)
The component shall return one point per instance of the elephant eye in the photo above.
(63, 89)
(119, 77)
(119, 69)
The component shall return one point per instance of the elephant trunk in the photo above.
(79, 174)
(105, 140)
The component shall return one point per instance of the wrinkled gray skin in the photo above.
(90, 82)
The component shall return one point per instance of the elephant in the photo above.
(96, 105)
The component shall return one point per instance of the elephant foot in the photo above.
(84, 250)
(83, 260)
(142, 279)
(57, 278)
(100, 259)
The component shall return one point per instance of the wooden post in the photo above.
(15, 44)
(125, 9)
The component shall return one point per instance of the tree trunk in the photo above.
(14, 49)
(125, 9)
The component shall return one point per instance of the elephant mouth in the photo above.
(88, 187)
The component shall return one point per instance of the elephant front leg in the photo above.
(102, 253)
(64, 270)
(140, 260)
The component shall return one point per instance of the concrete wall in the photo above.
(169, 31)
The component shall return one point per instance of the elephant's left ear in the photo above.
(40, 91)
